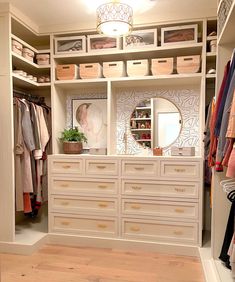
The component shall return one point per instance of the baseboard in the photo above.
(22, 248)
(96, 242)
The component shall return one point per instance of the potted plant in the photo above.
(72, 140)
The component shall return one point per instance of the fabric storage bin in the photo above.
(162, 66)
(93, 70)
(137, 67)
(183, 151)
(114, 69)
(28, 54)
(43, 59)
(67, 72)
(17, 47)
(188, 64)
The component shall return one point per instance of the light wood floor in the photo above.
(67, 264)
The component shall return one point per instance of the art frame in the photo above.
(90, 117)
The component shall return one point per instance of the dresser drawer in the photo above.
(83, 225)
(140, 168)
(186, 233)
(160, 188)
(160, 208)
(66, 166)
(101, 167)
(84, 205)
(75, 186)
(180, 170)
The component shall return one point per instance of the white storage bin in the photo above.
(114, 69)
(17, 47)
(137, 68)
(43, 59)
(28, 54)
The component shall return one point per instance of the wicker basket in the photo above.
(72, 147)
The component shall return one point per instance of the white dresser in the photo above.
(140, 199)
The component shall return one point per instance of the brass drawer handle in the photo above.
(136, 187)
(135, 228)
(66, 166)
(136, 207)
(178, 232)
(102, 186)
(64, 185)
(64, 203)
(103, 226)
(179, 189)
(101, 166)
(139, 168)
(103, 205)
(179, 210)
(180, 169)
(66, 223)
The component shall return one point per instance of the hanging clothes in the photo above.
(33, 136)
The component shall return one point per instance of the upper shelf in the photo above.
(164, 80)
(227, 33)
(26, 83)
(159, 51)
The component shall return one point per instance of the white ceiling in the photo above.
(59, 15)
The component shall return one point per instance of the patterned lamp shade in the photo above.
(114, 19)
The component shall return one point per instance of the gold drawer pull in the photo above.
(136, 187)
(179, 210)
(136, 207)
(103, 205)
(64, 185)
(66, 223)
(179, 189)
(102, 186)
(66, 166)
(135, 228)
(64, 203)
(178, 232)
(103, 226)
(180, 169)
(139, 168)
(101, 166)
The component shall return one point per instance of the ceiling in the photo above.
(55, 15)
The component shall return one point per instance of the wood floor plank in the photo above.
(69, 264)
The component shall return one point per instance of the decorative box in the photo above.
(100, 43)
(137, 67)
(98, 151)
(157, 151)
(162, 66)
(183, 151)
(179, 34)
(70, 44)
(188, 64)
(28, 54)
(67, 72)
(114, 69)
(43, 59)
(140, 39)
(17, 47)
(93, 70)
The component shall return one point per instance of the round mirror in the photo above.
(155, 122)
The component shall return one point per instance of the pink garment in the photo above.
(231, 165)
(231, 121)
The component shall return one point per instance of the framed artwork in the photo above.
(90, 116)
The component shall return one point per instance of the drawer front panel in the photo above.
(67, 166)
(165, 189)
(160, 208)
(75, 204)
(101, 167)
(80, 186)
(160, 231)
(140, 169)
(83, 225)
(180, 170)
